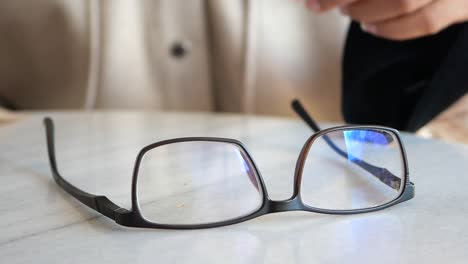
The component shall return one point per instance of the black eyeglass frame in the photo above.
(134, 217)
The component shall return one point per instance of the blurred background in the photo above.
(250, 57)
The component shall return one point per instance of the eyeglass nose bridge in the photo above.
(291, 204)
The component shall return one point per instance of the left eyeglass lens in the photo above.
(353, 169)
(197, 182)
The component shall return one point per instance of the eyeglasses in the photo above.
(203, 182)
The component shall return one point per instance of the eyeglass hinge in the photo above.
(123, 217)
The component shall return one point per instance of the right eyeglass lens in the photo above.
(353, 169)
(197, 182)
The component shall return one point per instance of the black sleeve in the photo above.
(403, 84)
(5, 103)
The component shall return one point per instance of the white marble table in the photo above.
(39, 223)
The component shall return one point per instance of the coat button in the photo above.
(178, 50)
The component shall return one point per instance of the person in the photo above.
(251, 57)
(405, 61)
(237, 56)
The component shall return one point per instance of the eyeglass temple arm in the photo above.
(97, 202)
(382, 174)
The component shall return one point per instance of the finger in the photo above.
(428, 20)
(326, 5)
(378, 10)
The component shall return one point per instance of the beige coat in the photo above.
(240, 55)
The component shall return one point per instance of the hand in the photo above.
(398, 19)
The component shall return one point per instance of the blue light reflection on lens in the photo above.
(356, 140)
(242, 161)
(247, 170)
